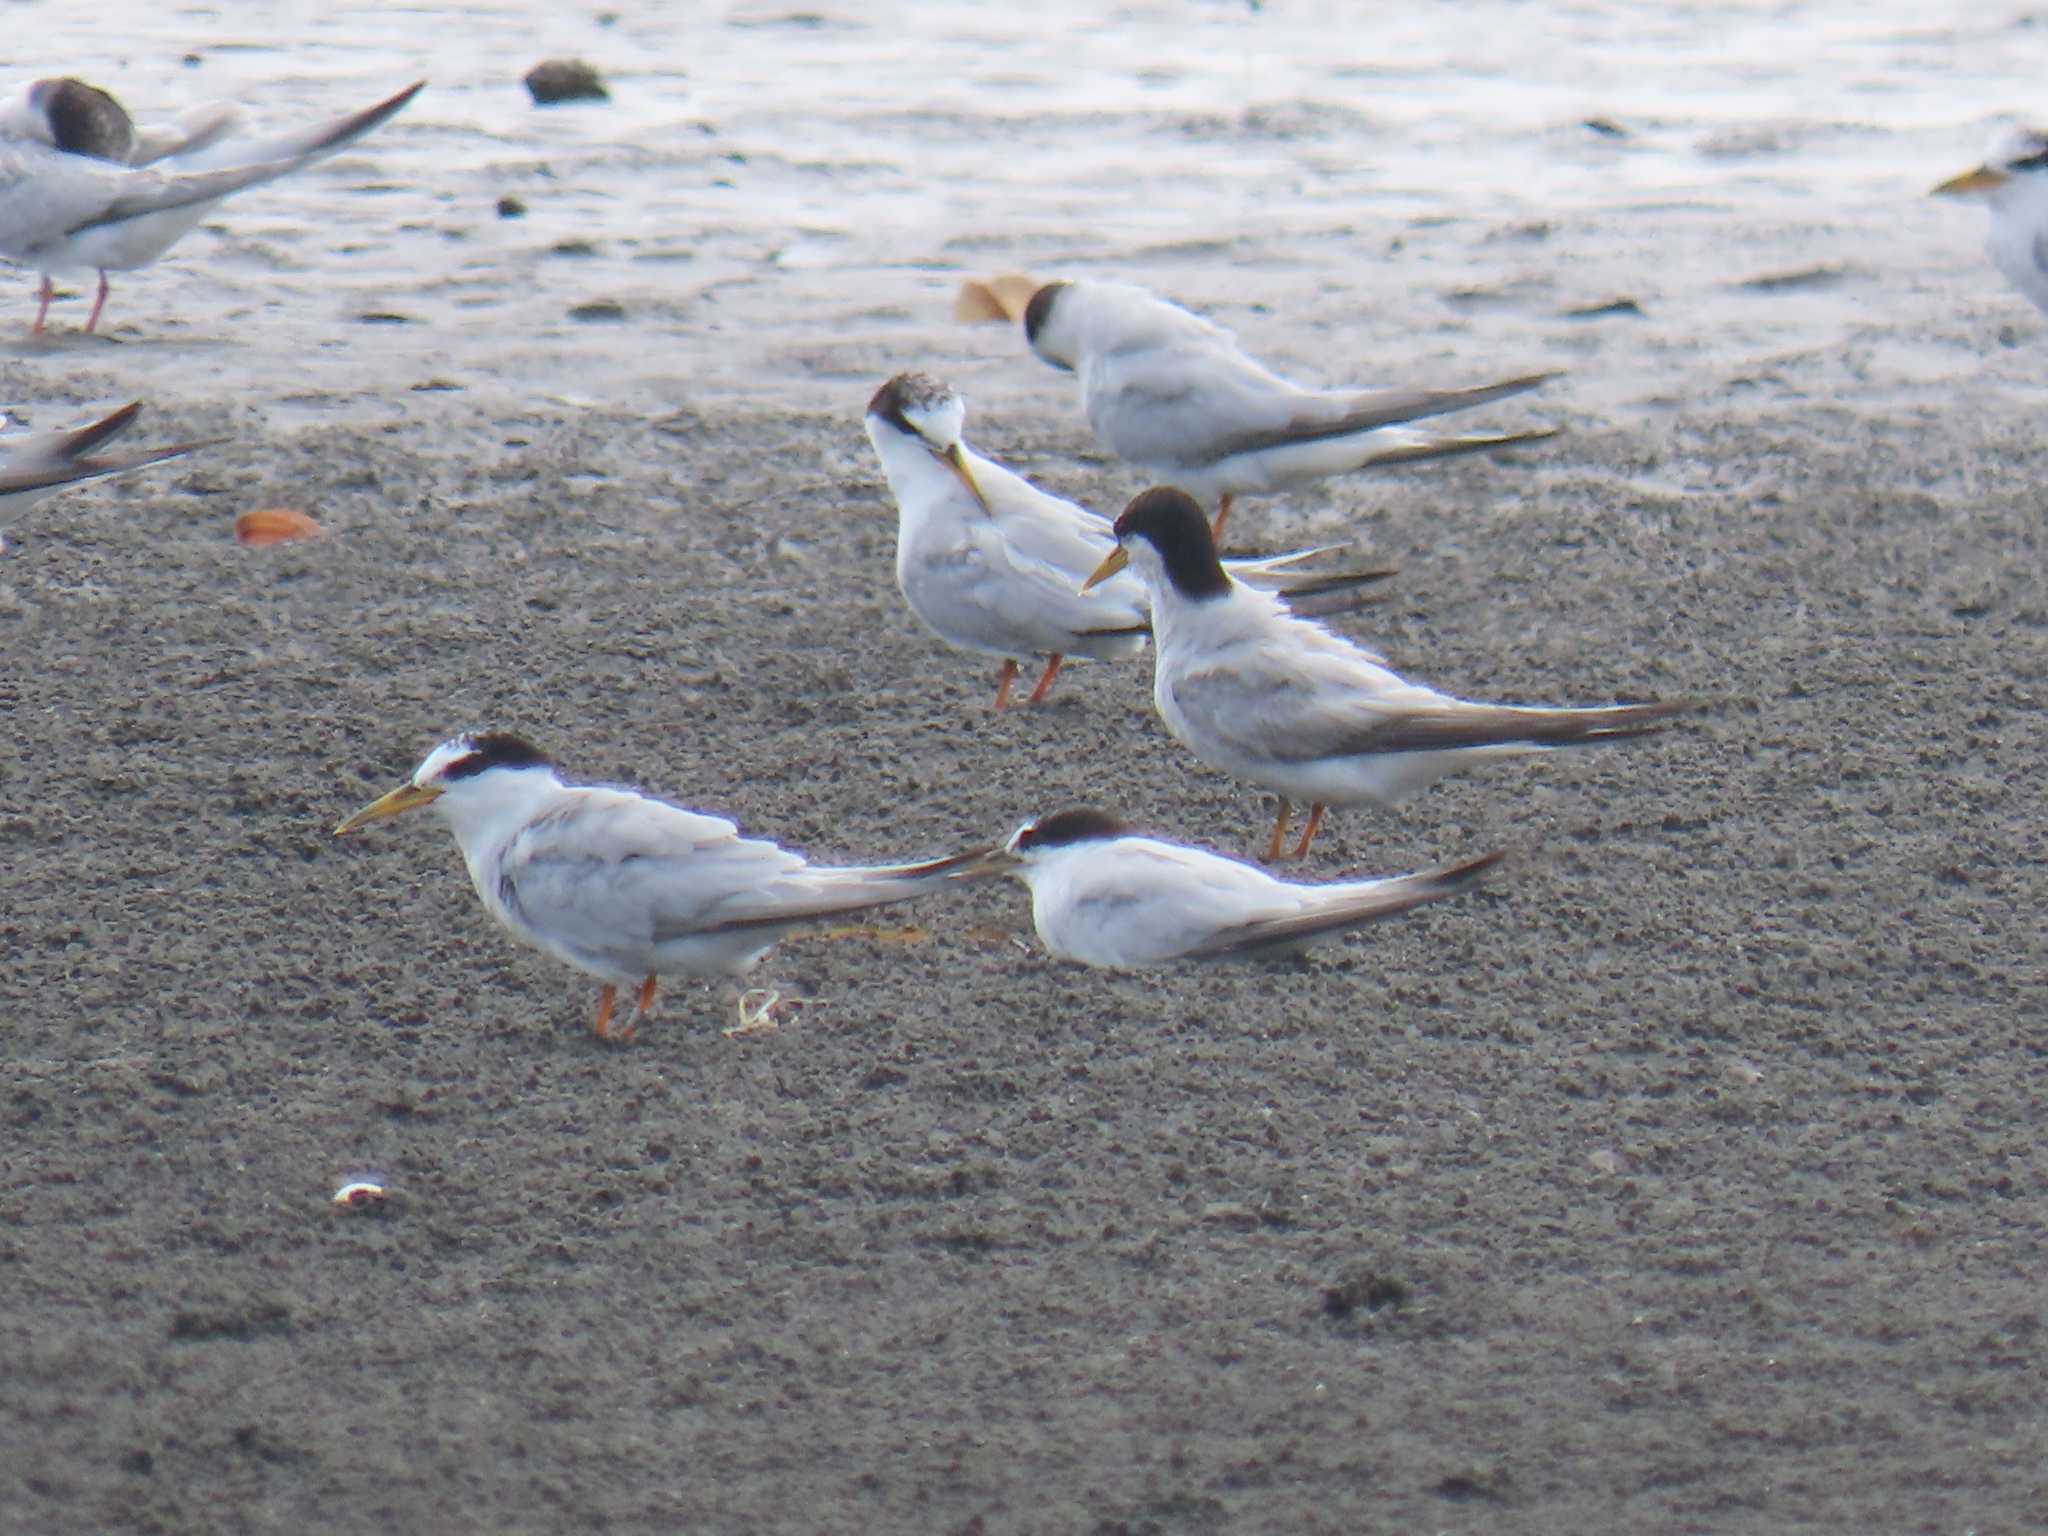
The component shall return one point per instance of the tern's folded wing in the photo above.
(1319, 416)
(1361, 904)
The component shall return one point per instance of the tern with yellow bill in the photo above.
(625, 887)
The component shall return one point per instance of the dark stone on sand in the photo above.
(1372, 1292)
(599, 309)
(511, 208)
(556, 80)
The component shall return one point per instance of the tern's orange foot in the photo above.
(601, 1026)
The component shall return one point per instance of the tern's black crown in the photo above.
(1082, 824)
(907, 391)
(85, 120)
(1171, 522)
(495, 749)
(1039, 310)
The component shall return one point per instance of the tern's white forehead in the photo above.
(433, 769)
(939, 419)
(927, 408)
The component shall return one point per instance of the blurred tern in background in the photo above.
(38, 464)
(77, 191)
(1171, 394)
(2013, 183)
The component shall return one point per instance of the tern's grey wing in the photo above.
(44, 193)
(1295, 694)
(978, 589)
(191, 133)
(143, 193)
(1362, 903)
(1161, 406)
(608, 874)
(1350, 412)
(1330, 708)
(300, 145)
(1139, 901)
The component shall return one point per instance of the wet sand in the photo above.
(1687, 1177)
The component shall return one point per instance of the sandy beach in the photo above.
(1687, 1177)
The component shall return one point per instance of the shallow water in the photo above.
(782, 200)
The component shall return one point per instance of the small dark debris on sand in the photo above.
(555, 80)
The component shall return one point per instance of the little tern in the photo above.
(1282, 702)
(993, 564)
(1172, 395)
(625, 887)
(78, 191)
(1106, 895)
(2013, 184)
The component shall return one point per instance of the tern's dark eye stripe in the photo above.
(1079, 825)
(498, 749)
(2034, 162)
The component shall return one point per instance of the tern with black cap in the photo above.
(625, 887)
(1106, 895)
(1172, 395)
(80, 188)
(2013, 184)
(1285, 704)
(993, 564)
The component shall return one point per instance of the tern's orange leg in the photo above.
(1003, 680)
(98, 304)
(644, 1002)
(1222, 517)
(601, 1026)
(1308, 833)
(46, 293)
(1279, 833)
(1044, 687)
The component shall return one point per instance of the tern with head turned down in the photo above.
(2013, 184)
(1172, 395)
(993, 564)
(83, 189)
(1283, 703)
(625, 887)
(38, 464)
(1106, 895)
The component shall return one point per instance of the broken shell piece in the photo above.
(275, 525)
(999, 299)
(359, 1192)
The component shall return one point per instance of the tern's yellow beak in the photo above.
(956, 460)
(406, 797)
(1112, 562)
(1982, 179)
